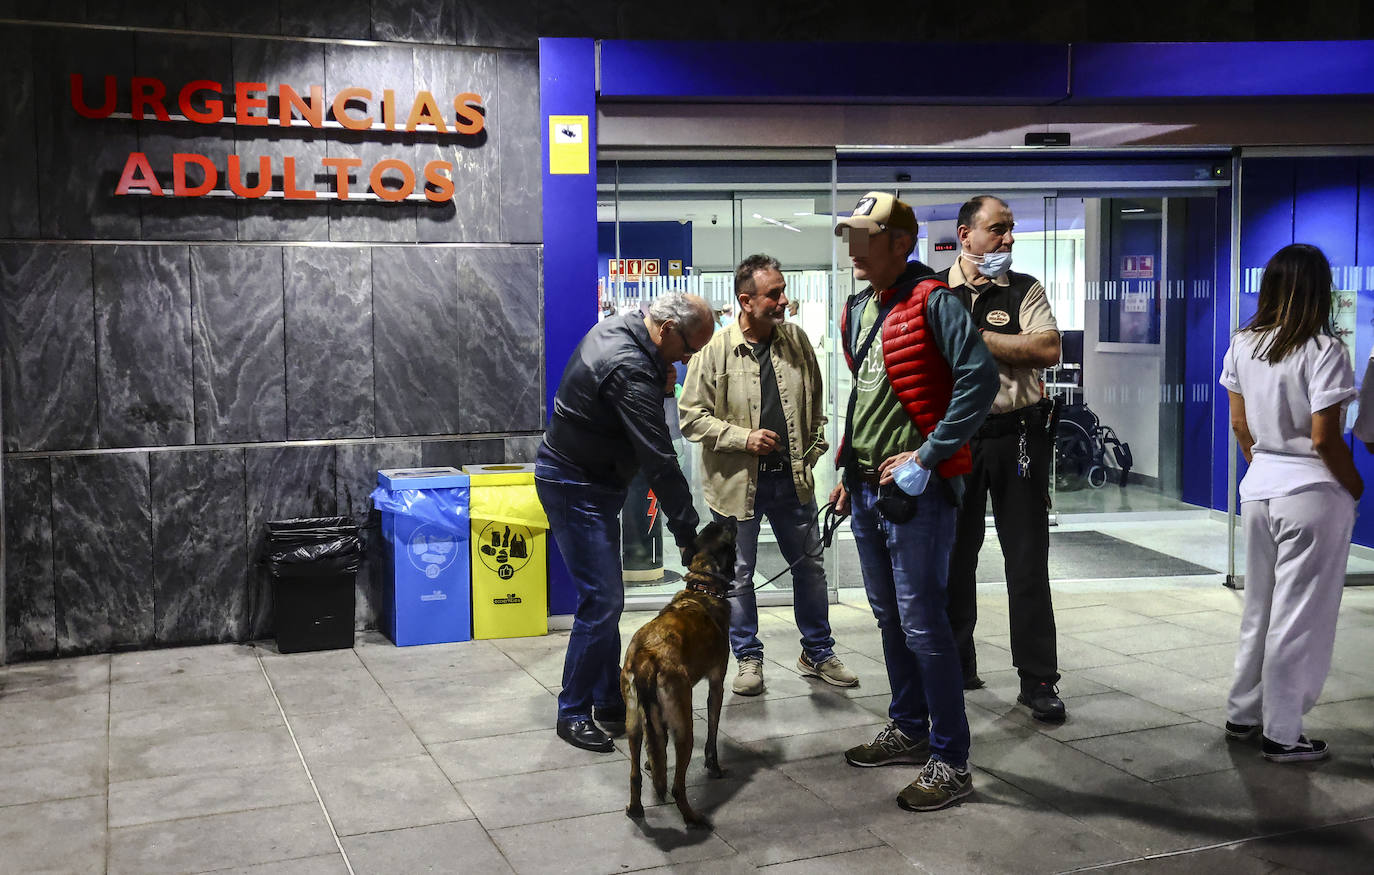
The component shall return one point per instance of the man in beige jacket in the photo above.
(753, 400)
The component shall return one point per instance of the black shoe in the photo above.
(1303, 751)
(612, 720)
(1044, 702)
(584, 734)
(973, 682)
(1240, 731)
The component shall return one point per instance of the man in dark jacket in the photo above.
(923, 381)
(607, 425)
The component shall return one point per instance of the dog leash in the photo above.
(829, 522)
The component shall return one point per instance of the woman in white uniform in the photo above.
(1289, 379)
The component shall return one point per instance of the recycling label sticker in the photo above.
(504, 548)
(432, 550)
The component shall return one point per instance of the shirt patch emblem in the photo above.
(998, 318)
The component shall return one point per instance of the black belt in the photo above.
(1002, 424)
(867, 475)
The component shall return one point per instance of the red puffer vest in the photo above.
(916, 369)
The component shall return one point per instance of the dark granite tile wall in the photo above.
(509, 24)
(51, 10)
(80, 160)
(474, 213)
(300, 65)
(347, 19)
(282, 483)
(328, 342)
(500, 337)
(19, 145)
(415, 333)
(377, 70)
(30, 612)
(143, 334)
(242, 16)
(239, 357)
(137, 13)
(200, 557)
(414, 21)
(456, 454)
(102, 552)
(48, 322)
(357, 466)
(522, 449)
(176, 59)
(514, 115)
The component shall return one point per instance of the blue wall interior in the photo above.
(661, 240)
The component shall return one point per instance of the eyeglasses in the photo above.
(687, 348)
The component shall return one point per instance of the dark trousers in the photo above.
(1020, 509)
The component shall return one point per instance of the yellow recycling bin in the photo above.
(510, 561)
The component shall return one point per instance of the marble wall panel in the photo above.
(584, 18)
(102, 552)
(176, 59)
(456, 454)
(282, 483)
(239, 364)
(143, 334)
(30, 612)
(416, 336)
(137, 13)
(347, 19)
(79, 159)
(299, 65)
(51, 10)
(503, 23)
(514, 116)
(242, 16)
(328, 342)
(414, 21)
(522, 449)
(200, 565)
(19, 145)
(47, 319)
(500, 337)
(358, 465)
(474, 213)
(377, 70)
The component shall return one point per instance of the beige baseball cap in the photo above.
(876, 212)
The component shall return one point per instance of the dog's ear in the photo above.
(730, 524)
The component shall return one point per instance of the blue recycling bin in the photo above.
(427, 568)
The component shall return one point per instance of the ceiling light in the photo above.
(777, 222)
(1133, 210)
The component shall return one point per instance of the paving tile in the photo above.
(66, 837)
(389, 663)
(1151, 637)
(1162, 753)
(221, 841)
(558, 794)
(869, 861)
(172, 753)
(1224, 624)
(243, 689)
(1102, 714)
(1342, 686)
(462, 845)
(735, 865)
(370, 796)
(213, 659)
(1261, 797)
(82, 674)
(827, 742)
(767, 718)
(169, 798)
(359, 735)
(1076, 654)
(513, 754)
(1234, 860)
(1097, 617)
(608, 843)
(314, 692)
(1343, 848)
(1209, 662)
(183, 720)
(1161, 686)
(1163, 604)
(327, 864)
(58, 770)
(434, 724)
(464, 691)
(36, 719)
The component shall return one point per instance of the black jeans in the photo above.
(1020, 509)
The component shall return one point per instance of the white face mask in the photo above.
(991, 264)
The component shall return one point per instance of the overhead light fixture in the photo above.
(807, 213)
(1133, 209)
(777, 222)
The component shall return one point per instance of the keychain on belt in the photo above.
(1022, 456)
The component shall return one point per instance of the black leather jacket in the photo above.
(608, 422)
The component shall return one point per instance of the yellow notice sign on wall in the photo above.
(569, 144)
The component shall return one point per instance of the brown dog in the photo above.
(688, 640)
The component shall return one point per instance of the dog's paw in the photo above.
(634, 812)
(701, 823)
(715, 771)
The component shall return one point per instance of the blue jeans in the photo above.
(585, 521)
(795, 527)
(905, 568)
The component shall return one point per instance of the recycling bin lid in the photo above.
(421, 478)
(501, 474)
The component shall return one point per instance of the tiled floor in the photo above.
(443, 759)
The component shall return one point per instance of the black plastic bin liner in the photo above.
(314, 563)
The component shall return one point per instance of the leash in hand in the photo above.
(828, 521)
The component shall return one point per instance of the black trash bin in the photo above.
(314, 565)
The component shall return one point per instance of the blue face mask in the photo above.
(993, 264)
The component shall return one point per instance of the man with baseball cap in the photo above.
(920, 391)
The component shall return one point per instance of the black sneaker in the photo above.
(1044, 702)
(973, 682)
(1240, 730)
(1302, 752)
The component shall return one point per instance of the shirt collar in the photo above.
(735, 339)
(957, 277)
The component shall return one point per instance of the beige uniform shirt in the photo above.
(1020, 386)
(720, 406)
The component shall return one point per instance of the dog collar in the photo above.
(719, 592)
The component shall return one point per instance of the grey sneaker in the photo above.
(891, 747)
(939, 784)
(749, 680)
(831, 670)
